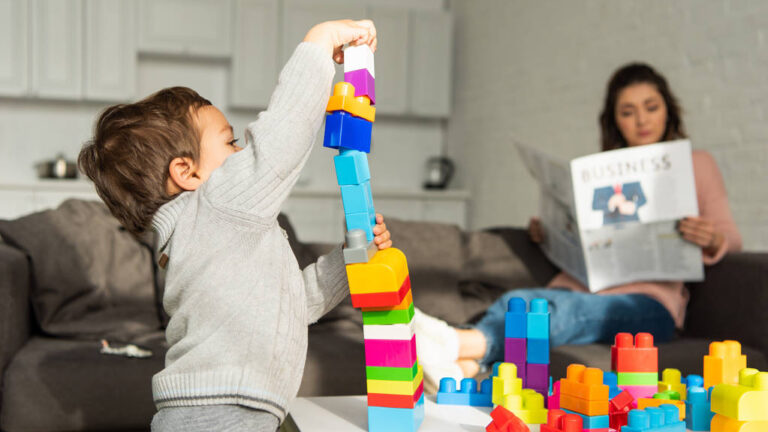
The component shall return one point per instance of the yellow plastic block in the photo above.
(396, 387)
(343, 99)
(643, 403)
(385, 272)
(507, 383)
(723, 363)
(670, 380)
(724, 424)
(745, 401)
(528, 405)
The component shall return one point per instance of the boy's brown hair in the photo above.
(132, 148)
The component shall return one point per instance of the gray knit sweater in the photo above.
(238, 302)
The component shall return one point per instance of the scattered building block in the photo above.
(592, 422)
(505, 421)
(560, 421)
(722, 423)
(694, 381)
(643, 403)
(671, 379)
(723, 363)
(585, 383)
(468, 394)
(745, 401)
(640, 356)
(583, 406)
(618, 408)
(662, 419)
(505, 382)
(698, 412)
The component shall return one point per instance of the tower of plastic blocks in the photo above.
(582, 392)
(741, 407)
(723, 363)
(378, 280)
(636, 364)
(526, 342)
(507, 391)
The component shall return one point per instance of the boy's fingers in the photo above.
(379, 218)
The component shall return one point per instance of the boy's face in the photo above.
(216, 140)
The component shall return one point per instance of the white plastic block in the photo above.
(358, 57)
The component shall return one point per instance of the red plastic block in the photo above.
(640, 356)
(559, 421)
(505, 421)
(382, 299)
(584, 383)
(618, 409)
(395, 400)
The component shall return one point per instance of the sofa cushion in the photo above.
(90, 277)
(62, 385)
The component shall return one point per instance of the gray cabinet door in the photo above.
(57, 49)
(254, 60)
(14, 45)
(431, 63)
(110, 50)
(391, 59)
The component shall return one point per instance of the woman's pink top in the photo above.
(713, 205)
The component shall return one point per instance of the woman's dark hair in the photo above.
(635, 73)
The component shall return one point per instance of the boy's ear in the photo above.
(183, 174)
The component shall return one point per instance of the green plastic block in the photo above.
(392, 373)
(638, 378)
(401, 316)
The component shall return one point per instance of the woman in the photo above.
(639, 109)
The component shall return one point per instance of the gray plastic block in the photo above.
(358, 249)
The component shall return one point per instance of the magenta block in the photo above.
(553, 402)
(363, 82)
(537, 376)
(638, 392)
(390, 352)
(514, 350)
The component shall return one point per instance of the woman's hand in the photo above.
(701, 232)
(381, 233)
(535, 231)
(332, 35)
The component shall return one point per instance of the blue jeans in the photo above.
(580, 318)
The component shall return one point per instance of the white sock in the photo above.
(437, 345)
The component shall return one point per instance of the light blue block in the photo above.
(467, 395)
(698, 413)
(537, 325)
(515, 319)
(383, 419)
(351, 167)
(537, 351)
(371, 210)
(360, 221)
(693, 380)
(356, 198)
(591, 422)
(665, 418)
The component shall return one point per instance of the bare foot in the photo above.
(470, 368)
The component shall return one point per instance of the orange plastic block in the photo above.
(640, 356)
(559, 421)
(584, 383)
(584, 406)
(723, 363)
(385, 272)
(643, 403)
(745, 401)
(505, 421)
(343, 99)
(721, 423)
(405, 304)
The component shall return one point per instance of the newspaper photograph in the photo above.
(610, 218)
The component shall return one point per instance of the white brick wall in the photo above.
(536, 71)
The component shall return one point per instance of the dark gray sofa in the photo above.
(63, 383)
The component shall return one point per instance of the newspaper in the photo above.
(610, 218)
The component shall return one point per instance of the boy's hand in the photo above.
(332, 35)
(381, 233)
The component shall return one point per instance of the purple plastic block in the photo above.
(537, 376)
(363, 82)
(390, 352)
(514, 350)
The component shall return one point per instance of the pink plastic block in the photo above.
(514, 350)
(638, 392)
(553, 402)
(363, 83)
(390, 352)
(537, 376)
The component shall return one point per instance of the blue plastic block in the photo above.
(495, 369)
(693, 381)
(515, 320)
(538, 351)
(351, 167)
(361, 221)
(698, 414)
(665, 418)
(538, 320)
(356, 198)
(612, 381)
(591, 422)
(384, 419)
(467, 394)
(345, 131)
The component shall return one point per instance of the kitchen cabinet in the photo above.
(110, 50)
(14, 47)
(431, 63)
(57, 49)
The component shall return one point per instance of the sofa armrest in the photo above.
(732, 302)
(14, 303)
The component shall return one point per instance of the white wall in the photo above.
(535, 71)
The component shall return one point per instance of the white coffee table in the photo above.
(349, 413)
